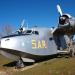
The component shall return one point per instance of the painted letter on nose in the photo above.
(34, 44)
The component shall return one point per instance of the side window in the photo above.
(28, 31)
(51, 38)
(35, 32)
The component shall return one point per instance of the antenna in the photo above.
(22, 23)
(27, 25)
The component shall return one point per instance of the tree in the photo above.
(7, 29)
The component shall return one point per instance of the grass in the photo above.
(55, 66)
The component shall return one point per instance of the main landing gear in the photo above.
(71, 52)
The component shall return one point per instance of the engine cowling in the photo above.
(67, 24)
(64, 20)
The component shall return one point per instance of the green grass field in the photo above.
(55, 66)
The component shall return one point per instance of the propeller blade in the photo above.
(59, 10)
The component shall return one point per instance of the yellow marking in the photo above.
(38, 44)
(43, 44)
(34, 44)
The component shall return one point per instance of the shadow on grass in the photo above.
(12, 64)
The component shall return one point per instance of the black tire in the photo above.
(71, 53)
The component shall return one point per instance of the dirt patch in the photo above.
(3, 73)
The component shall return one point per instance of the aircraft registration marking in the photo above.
(38, 44)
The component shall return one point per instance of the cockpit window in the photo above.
(29, 31)
(35, 32)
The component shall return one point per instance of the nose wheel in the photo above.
(20, 64)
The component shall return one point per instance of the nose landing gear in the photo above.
(19, 64)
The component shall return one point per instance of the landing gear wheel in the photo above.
(71, 53)
(19, 64)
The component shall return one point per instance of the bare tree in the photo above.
(7, 29)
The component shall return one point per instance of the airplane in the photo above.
(31, 44)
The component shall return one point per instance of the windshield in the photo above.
(27, 32)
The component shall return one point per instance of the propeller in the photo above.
(59, 10)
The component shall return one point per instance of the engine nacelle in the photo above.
(67, 23)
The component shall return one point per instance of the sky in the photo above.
(42, 13)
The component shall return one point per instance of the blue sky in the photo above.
(35, 12)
